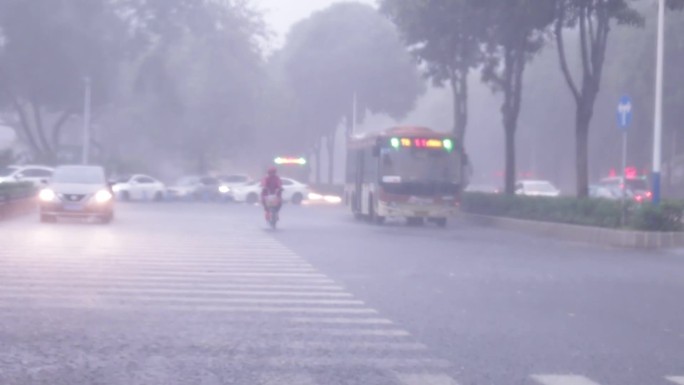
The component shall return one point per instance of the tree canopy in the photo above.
(346, 50)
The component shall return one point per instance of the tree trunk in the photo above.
(330, 141)
(582, 151)
(594, 28)
(514, 62)
(459, 87)
(510, 162)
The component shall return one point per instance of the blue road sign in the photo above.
(624, 113)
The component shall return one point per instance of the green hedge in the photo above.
(584, 212)
(17, 190)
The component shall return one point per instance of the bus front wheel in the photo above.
(374, 217)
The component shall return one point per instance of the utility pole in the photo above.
(86, 122)
(658, 120)
(353, 125)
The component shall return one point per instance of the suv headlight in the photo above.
(47, 195)
(103, 196)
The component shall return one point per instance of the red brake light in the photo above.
(649, 194)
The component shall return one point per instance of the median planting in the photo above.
(603, 213)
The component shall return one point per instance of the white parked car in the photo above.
(229, 182)
(538, 188)
(139, 187)
(38, 175)
(293, 191)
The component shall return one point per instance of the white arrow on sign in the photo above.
(624, 109)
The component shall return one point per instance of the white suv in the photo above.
(38, 175)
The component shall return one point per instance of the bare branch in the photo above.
(38, 120)
(57, 127)
(561, 53)
(584, 44)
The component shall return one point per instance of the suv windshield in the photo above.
(79, 175)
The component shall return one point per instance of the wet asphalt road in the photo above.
(205, 294)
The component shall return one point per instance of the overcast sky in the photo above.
(282, 14)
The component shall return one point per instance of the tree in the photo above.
(516, 31)
(446, 36)
(348, 49)
(591, 19)
(192, 84)
(49, 48)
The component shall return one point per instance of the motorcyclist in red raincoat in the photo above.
(271, 185)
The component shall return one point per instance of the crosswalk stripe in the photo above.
(355, 345)
(352, 360)
(195, 274)
(289, 379)
(148, 299)
(358, 332)
(106, 278)
(82, 291)
(157, 307)
(350, 321)
(45, 284)
(554, 379)
(679, 380)
(425, 379)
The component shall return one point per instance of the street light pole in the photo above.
(658, 120)
(86, 122)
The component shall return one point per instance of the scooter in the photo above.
(272, 207)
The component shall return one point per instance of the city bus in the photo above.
(406, 172)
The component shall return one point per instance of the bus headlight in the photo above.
(47, 195)
(103, 196)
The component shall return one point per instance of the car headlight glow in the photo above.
(47, 195)
(315, 196)
(103, 196)
(117, 188)
(224, 189)
(332, 199)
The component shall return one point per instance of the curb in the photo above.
(628, 239)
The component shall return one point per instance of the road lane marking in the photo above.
(554, 379)
(425, 379)
(350, 321)
(679, 380)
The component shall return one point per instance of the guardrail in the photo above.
(17, 199)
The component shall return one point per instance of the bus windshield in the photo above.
(419, 165)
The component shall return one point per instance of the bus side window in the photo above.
(370, 165)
